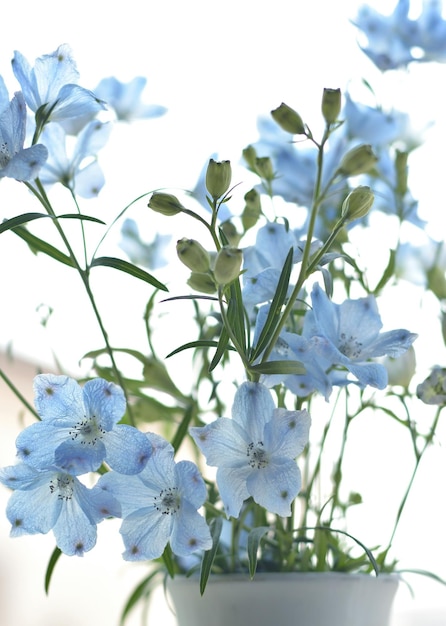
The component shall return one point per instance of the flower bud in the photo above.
(252, 210)
(358, 160)
(264, 168)
(218, 178)
(227, 265)
(165, 203)
(436, 281)
(202, 282)
(193, 255)
(331, 105)
(288, 119)
(401, 369)
(250, 156)
(357, 204)
(433, 389)
(230, 232)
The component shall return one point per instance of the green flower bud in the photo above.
(218, 178)
(252, 210)
(230, 232)
(165, 203)
(193, 255)
(401, 369)
(202, 282)
(288, 119)
(250, 156)
(401, 172)
(264, 168)
(331, 105)
(227, 265)
(358, 160)
(358, 203)
(436, 281)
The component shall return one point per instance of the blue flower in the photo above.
(79, 172)
(53, 499)
(50, 87)
(15, 160)
(255, 451)
(151, 255)
(125, 99)
(349, 335)
(79, 428)
(160, 505)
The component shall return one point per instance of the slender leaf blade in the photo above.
(13, 222)
(215, 527)
(279, 367)
(39, 245)
(254, 539)
(57, 552)
(128, 268)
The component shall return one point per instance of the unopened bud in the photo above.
(165, 203)
(357, 204)
(227, 265)
(358, 160)
(436, 281)
(193, 255)
(288, 119)
(250, 156)
(202, 282)
(218, 178)
(331, 105)
(401, 369)
(401, 172)
(252, 210)
(230, 232)
(264, 168)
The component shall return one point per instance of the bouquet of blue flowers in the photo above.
(221, 468)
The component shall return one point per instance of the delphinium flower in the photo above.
(255, 451)
(125, 99)
(80, 170)
(348, 334)
(433, 389)
(160, 505)
(146, 254)
(395, 40)
(79, 428)
(53, 499)
(50, 89)
(16, 161)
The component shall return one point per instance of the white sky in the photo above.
(216, 66)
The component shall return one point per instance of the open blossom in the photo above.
(160, 505)
(255, 451)
(15, 160)
(51, 499)
(79, 428)
(125, 99)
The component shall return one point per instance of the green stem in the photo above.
(18, 394)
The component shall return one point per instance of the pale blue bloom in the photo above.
(51, 499)
(395, 40)
(125, 99)
(151, 255)
(4, 96)
(50, 87)
(160, 505)
(80, 171)
(348, 334)
(79, 428)
(255, 451)
(16, 161)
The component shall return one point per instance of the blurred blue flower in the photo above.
(51, 499)
(80, 171)
(50, 87)
(160, 505)
(16, 161)
(79, 428)
(151, 255)
(125, 99)
(255, 451)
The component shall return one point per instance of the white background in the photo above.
(216, 66)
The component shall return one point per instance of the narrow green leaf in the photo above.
(50, 568)
(215, 527)
(275, 308)
(254, 539)
(193, 344)
(168, 561)
(143, 589)
(183, 428)
(38, 245)
(19, 220)
(222, 346)
(80, 216)
(128, 268)
(279, 367)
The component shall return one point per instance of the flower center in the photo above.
(62, 486)
(168, 501)
(257, 456)
(350, 346)
(88, 431)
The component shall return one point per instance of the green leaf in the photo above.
(279, 367)
(19, 220)
(140, 591)
(387, 274)
(275, 308)
(50, 568)
(193, 344)
(254, 539)
(168, 561)
(222, 346)
(215, 527)
(79, 216)
(38, 245)
(183, 427)
(128, 268)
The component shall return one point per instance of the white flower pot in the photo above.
(288, 599)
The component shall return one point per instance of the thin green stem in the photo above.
(18, 394)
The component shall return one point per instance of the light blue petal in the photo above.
(78, 457)
(127, 449)
(129, 491)
(252, 408)
(275, 486)
(105, 401)
(34, 510)
(232, 487)
(286, 435)
(145, 534)
(59, 399)
(223, 442)
(37, 444)
(190, 531)
(190, 483)
(74, 530)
